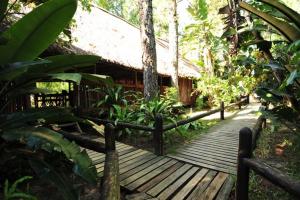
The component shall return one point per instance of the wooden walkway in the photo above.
(218, 148)
(200, 170)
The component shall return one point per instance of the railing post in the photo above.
(110, 187)
(222, 107)
(240, 104)
(248, 99)
(109, 133)
(158, 142)
(245, 150)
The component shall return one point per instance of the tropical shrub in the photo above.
(227, 90)
(282, 89)
(27, 135)
(12, 191)
(148, 111)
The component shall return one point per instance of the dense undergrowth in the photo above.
(281, 150)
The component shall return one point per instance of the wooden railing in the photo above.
(110, 186)
(159, 128)
(247, 143)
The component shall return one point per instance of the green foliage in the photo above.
(12, 192)
(36, 37)
(289, 31)
(149, 110)
(227, 90)
(110, 96)
(20, 70)
(171, 94)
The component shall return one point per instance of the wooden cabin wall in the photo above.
(185, 91)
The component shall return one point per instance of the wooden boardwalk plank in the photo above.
(177, 184)
(190, 185)
(207, 161)
(214, 187)
(159, 178)
(144, 171)
(133, 165)
(211, 155)
(166, 182)
(147, 177)
(216, 158)
(226, 189)
(139, 168)
(228, 170)
(202, 185)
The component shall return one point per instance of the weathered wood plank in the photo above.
(229, 162)
(214, 187)
(212, 154)
(141, 173)
(200, 154)
(228, 170)
(202, 185)
(177, 184)
(133, 165)
(153, 182)
(190, 185)
(209, 162)
(226, 189)
(147, 177)
(166, 182)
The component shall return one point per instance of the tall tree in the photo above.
(148, 50)
(173, 43)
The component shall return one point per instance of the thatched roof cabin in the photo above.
(118, 42)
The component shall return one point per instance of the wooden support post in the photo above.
(158, 142)
(222, 107)
(109, 133)
(245, 150)
(248, 99)
(110, 189)
(240, 105)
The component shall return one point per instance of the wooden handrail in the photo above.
(274, 175)
(84, 142)
(247, 143)
(191, 119)
(120, 124)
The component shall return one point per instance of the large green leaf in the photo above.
(47, 115)
(287, 30)
(97, 78)
(3, 7)
(290, 13)
(51, 64)
(33, 33)
(14, 70)
(43, 137)
(76, 77)
(293, 76)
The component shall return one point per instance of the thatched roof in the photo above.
(115, 40)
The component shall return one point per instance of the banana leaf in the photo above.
(287, 30)
(3, 7)
(41, 137)
(33, 33)
(47, 115)
(290, 13)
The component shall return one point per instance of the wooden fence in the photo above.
(159, 128)
(110, 186)
(247, 143)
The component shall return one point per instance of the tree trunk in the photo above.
(173, 43)
(208, 57)
(148, 49)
